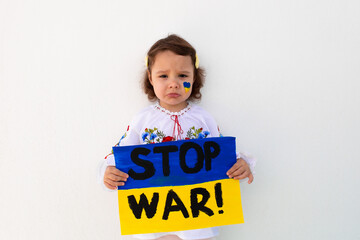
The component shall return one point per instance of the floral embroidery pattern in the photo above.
(118, 144)
(194, 133)
(123, 136)
(155, 136)
(220, 134)
(182, 112)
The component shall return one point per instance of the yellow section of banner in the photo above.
(176, 208)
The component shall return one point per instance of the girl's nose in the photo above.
(174, 83)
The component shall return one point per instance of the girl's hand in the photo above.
(113, 177)
(240, 170)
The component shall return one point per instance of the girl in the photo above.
(173, 78)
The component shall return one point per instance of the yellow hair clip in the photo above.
(147, 61)
(196, 61)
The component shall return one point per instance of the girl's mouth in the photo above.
(173, 95)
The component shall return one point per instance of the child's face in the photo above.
(168, 74)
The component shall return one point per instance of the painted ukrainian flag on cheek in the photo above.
(187, 86)
(179, 185)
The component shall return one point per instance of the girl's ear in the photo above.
(149, 76)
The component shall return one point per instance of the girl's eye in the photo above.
(182, 75)
(163, 76)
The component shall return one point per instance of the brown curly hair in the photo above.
(178, 46)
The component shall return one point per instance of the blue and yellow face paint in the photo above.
(179, 185)
(187, 86)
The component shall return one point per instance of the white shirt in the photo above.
(155, 124)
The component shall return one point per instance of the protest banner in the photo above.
(179, 185)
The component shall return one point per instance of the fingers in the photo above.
(251, 178)
(242, 174)
(238, 168)
(113, 177)
(112, 184)
(109, 186)
(238, 173)
(115, 171)
(234, 168)
(116, 178)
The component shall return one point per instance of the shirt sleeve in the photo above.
(210, 123)
(130, 137)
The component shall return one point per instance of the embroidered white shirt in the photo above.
(155, 124)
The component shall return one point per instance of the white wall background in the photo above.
(282, 76)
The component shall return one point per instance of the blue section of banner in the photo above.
(189, 162)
